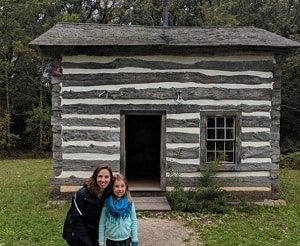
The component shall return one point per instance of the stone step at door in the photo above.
(153, 203)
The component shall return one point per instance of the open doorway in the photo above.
(143, 147)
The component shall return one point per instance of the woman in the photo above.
(82, 220)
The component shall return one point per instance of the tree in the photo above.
(39, 127)
(25, 95)
(290, 110)
(11, 45)
(19, 66)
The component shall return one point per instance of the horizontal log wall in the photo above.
(88, 98)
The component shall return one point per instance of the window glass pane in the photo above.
(220, 155)
(230, 157)
(211, 134)
(210, 145)
(220, 122)
(211, 122)
(220, 134)
(229, 121)
(229, 145)
(220, 145)
(210, 156)
(229, 134)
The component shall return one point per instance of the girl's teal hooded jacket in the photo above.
(118, 229)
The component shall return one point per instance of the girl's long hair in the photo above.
(122, 178)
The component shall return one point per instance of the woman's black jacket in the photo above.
(82, 220)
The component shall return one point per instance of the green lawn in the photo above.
(256, 225)
(26, 220)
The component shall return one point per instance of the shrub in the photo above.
(206, 197)
(290, 161)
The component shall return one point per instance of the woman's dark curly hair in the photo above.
(91, 182)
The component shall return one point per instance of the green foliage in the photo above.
(290, 109)
(70, 18)
(206, 180)
(220, 14)
(38, 127)
(290, 161)
(21, 68)
(4, 120)
(200, 200)
(5, 133)
(207, 197)
(253, 225)
(175, 179)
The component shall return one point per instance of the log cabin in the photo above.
(154, 101)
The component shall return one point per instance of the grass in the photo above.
(26, 220)
(256, 225)
(25, 217)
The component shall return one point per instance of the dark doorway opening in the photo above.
(143, 145)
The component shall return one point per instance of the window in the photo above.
(220, 137)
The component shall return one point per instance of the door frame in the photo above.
(162, 165)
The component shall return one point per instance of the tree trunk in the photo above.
(8, 135)
(41, 128)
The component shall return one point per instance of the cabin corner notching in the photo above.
(145, 106)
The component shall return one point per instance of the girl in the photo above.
(118, 221)
(82, 220)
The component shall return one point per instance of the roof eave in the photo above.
(105, 50)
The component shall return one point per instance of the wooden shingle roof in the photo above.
(88, 34)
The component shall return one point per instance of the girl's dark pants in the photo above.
(118, 243)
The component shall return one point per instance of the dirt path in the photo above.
(164, 232)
